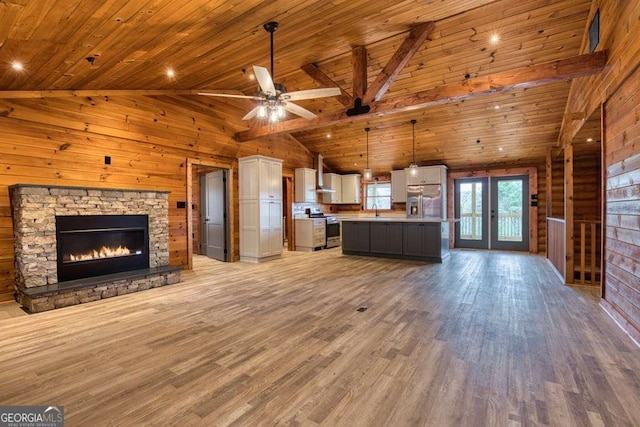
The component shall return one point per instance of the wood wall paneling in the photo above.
(65, 141)
(618, 88)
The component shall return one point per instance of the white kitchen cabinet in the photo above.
(305, 185)
(310, 233)
(398, 186)
(427, 175)
(334, 182)
(260, 178)
(260, 193)
(350, 189)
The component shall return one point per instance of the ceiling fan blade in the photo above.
(312, 93)
(228, 95)
(251, 114)
(296, 109)
(264, 80)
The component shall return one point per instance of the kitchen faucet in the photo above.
(374, 206)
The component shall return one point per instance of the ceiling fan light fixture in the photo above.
(262, 111)
(272, 99)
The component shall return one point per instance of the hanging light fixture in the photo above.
(367, 171)
(413, 167)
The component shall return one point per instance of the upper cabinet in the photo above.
(305, 185)
(346, 188)
(334, 182)
(351, 188)
(427, 175)
(261, 178)
(398, 186)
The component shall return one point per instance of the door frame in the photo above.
(532, 172)
(191, 162)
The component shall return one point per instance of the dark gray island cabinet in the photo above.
(422, 240)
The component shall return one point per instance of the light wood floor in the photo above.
(483, 339)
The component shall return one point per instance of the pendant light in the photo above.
(413, 167)
(367, 171)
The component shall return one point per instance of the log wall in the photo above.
(617, 89)
(65, 142)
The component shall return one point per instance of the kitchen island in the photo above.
(394, 237)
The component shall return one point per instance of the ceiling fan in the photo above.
(273, 98)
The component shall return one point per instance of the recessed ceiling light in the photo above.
(494, 38)
(252, 76)
(589, 139)
(170, 73)
(17, 66)
(328, 136)
(499, 148)
(496, 107)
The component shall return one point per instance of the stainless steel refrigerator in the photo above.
(425, 201)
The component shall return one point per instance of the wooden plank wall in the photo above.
(64, 142)
(557, 185)
(616, 88)
(622, 250)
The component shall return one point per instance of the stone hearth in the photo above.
(34, 209)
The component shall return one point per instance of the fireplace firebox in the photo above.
(95, 245)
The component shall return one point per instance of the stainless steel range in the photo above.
(333, 231)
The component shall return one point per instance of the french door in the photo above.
(493, 213)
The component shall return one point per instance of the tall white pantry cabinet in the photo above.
(260, 182)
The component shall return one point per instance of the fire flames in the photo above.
(104, 252)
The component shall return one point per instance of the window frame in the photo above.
(365, 192)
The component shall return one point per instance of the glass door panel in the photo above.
(471, 208)
(510, 213)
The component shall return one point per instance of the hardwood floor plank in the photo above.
(485, 338)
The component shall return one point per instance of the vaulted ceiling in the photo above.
(129, 45)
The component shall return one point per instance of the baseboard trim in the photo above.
(620, 320)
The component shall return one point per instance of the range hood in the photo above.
(321, 188)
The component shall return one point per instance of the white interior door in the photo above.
(214, 218)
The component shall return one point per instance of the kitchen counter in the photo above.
(420, 239)
(395, 219)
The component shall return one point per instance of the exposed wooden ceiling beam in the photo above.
(359, 60)
(320, 77)
(25, 94)
(580, 115)
(400, 58)
(530, 76)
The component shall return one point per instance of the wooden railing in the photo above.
(509, 226)
(556, 252)
(591, 242)
(471, 226)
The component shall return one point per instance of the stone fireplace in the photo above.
(75, 245)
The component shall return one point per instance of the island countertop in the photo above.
(395, 219)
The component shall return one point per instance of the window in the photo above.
(378, 193)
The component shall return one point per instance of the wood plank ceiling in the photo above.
(212, 45)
